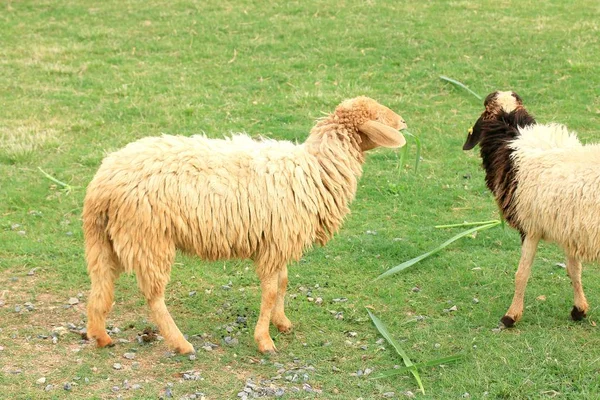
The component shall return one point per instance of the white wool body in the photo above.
(558, 188)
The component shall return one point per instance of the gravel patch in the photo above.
(208, 346)
(191, 375)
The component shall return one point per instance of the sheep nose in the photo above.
(403, 124)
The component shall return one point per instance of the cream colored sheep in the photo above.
(220, 199)
(546, 184)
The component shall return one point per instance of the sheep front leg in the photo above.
(152, 281)
(278, 317)
(528, 250)
(268, 286)
(581, 306)
(167, 327)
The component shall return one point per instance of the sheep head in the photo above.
(375, 124)
(496, 105)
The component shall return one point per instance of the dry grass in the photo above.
(18, 143)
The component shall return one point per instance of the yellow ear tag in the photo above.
(470, 131)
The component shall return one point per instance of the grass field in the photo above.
(81, 78)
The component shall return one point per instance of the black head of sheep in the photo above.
(497, 105)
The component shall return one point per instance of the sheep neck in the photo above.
(339, 158)
(500, 168)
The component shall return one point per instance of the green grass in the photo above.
(409, 366)
(81, 78)
(480, 226)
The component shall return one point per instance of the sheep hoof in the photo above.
(284, 326)
(577, 314)
(269, 351)
(104, 341)
(507, 321)
(187, 348)
(267, 346)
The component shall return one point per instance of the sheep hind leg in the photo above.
(515, 310)
(152, 283)
(278, 317)
(103, 269)
(581, 306)
(268, 286)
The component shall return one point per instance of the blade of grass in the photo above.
(68, 188)
(453, 239)
(409, 364)
(408, 321)
(403, 152)
(418, 144)
(426, 364)
(467, 224)
(457, 83)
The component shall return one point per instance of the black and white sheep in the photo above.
(547, 186)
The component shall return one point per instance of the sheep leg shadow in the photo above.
(278, 317)
(580, 308)
(515, 310)
(269, 286)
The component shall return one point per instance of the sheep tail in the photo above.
(99, 249)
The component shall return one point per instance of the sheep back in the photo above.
(216, 198)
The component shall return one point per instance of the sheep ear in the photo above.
(474, 135)
(382, 135)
